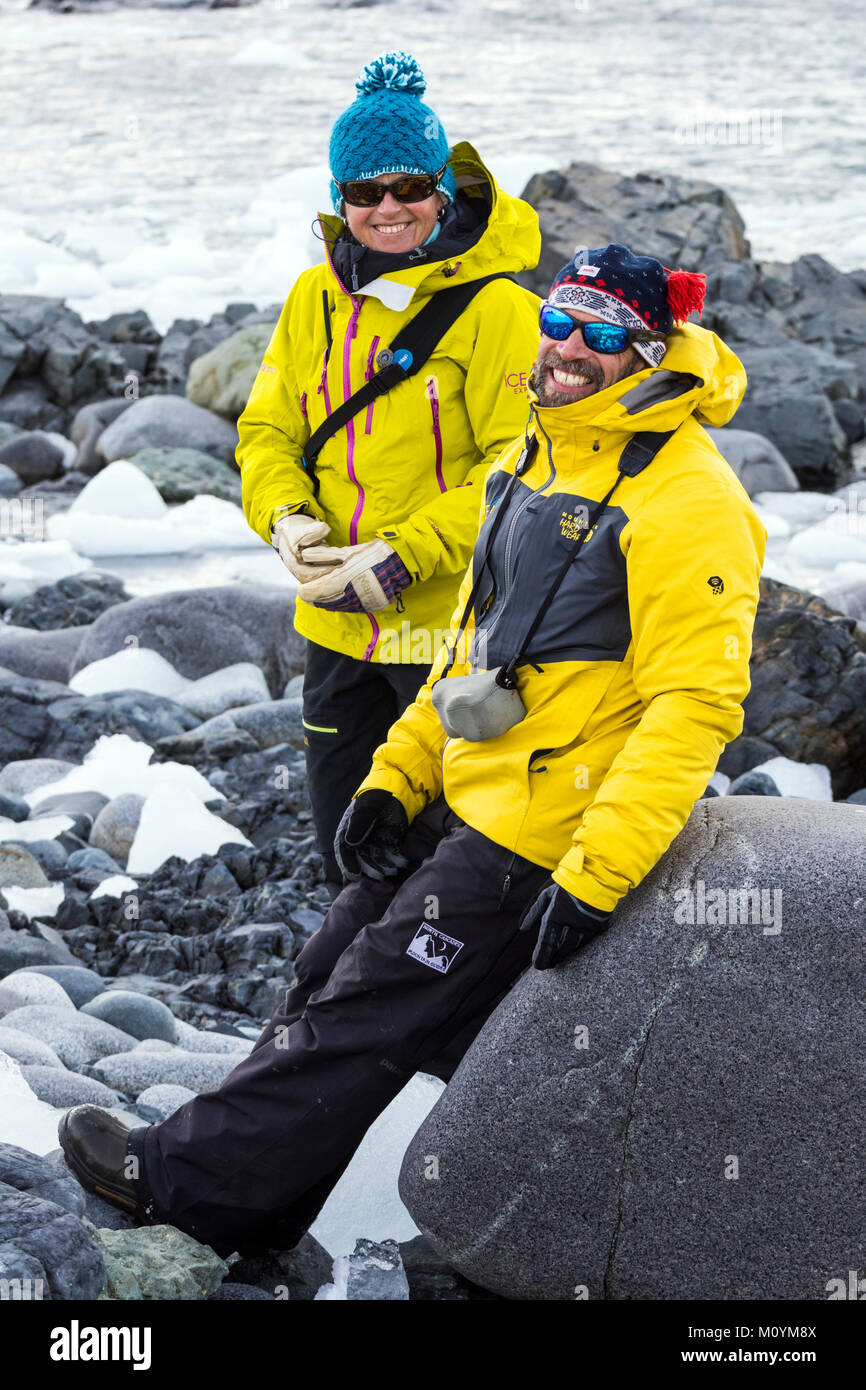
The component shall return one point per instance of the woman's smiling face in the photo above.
(393, 226)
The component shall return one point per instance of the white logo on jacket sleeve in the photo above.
(434, 948)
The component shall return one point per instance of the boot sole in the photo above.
(87, 1179)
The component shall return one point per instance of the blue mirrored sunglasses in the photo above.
(599, 337)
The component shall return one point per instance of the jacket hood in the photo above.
(699, 376)
(510, 242)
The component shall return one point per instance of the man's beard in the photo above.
(547, 393)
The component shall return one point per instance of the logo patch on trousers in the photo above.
(434, 948)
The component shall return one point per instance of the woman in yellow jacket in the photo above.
(395, 491)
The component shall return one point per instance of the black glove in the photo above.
(565, 923)
(369, 837)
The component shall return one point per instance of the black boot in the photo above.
(95, 1145)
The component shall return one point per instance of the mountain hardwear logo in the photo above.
(716, 583)
(571, 524)
(434, 948)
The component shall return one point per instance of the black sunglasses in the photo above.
(409, 188)
(599, 337)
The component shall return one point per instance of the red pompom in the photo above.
(685, 292)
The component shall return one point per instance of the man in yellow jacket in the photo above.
(394, 491)
(612, 592)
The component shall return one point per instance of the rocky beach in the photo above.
(158, 870)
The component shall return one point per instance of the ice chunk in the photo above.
(174, 821)
(42, 560)
(34, 902)
(47, 828)
(117, 763)
(24, 1120)
(203, 523)
(133, 668)
(365, 1202)
(798, 779)
(114, 886)
(374, 1271)
(120, 489)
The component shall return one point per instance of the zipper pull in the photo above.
(355, 285)
(506, 889)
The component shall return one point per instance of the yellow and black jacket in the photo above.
(643, 657)
(400, 469)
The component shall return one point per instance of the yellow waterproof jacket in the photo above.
(644, 653)
(401, 469)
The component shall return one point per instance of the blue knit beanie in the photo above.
(388, 129)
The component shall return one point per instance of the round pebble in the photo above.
(62, 1088)
(156, 1103)
(27, 987)
(137, 1014)
(27, 1051)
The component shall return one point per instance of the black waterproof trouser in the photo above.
(349, 706)
(399, 978)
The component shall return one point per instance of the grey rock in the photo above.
(203, 630)
(756, 461)
(294, 688)
(80, 983)
(240, 1293)
(754, 784)
(242, 684)
(851, 419)
(858, 798)
(153, 716)
(73, 601)
(293, 1275)
(33, 456)
(28, 1172)
(49, 855)
(158, 1262)
(603, 1167)
(221, 380)
(26, 987)
(62, 1088)
(83, 807)
(808, 685)
(115, 826)
(19, 868)
(10, 483)
(26, 774)
(88, 425)
(135, 1014)
(181, 474)
(77, 1039)
(786, 400)
(25, 1050)
(19, 951)
(91, 858)
(167, 422)
(262, 725)
(156, 1103)
(39, 1235)
(133, 1073)
(13, 808)
(46, 656)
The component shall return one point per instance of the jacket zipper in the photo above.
(433, 398)
(351, 330)
(506, 882)
(509, 540)
(368, 372)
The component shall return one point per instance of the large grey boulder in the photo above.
(41, 1241)
(152, 1262)
(167, 422)
(203, 630)
(76, 1039)
(221, 379)
(47, 656)
(181, 474)
(677, 1111)
(756, 461)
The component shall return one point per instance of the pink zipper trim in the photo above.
(304, 404)
(350, 454)
(323, 383)
(437, 432)
(368, 372)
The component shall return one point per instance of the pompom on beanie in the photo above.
(632, 291)
(388, 129)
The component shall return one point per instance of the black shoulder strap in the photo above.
(407, 354)
(640, 451)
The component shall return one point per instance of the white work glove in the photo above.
(364, 577)
(291, 535)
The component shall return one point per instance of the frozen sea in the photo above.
(173, 159)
